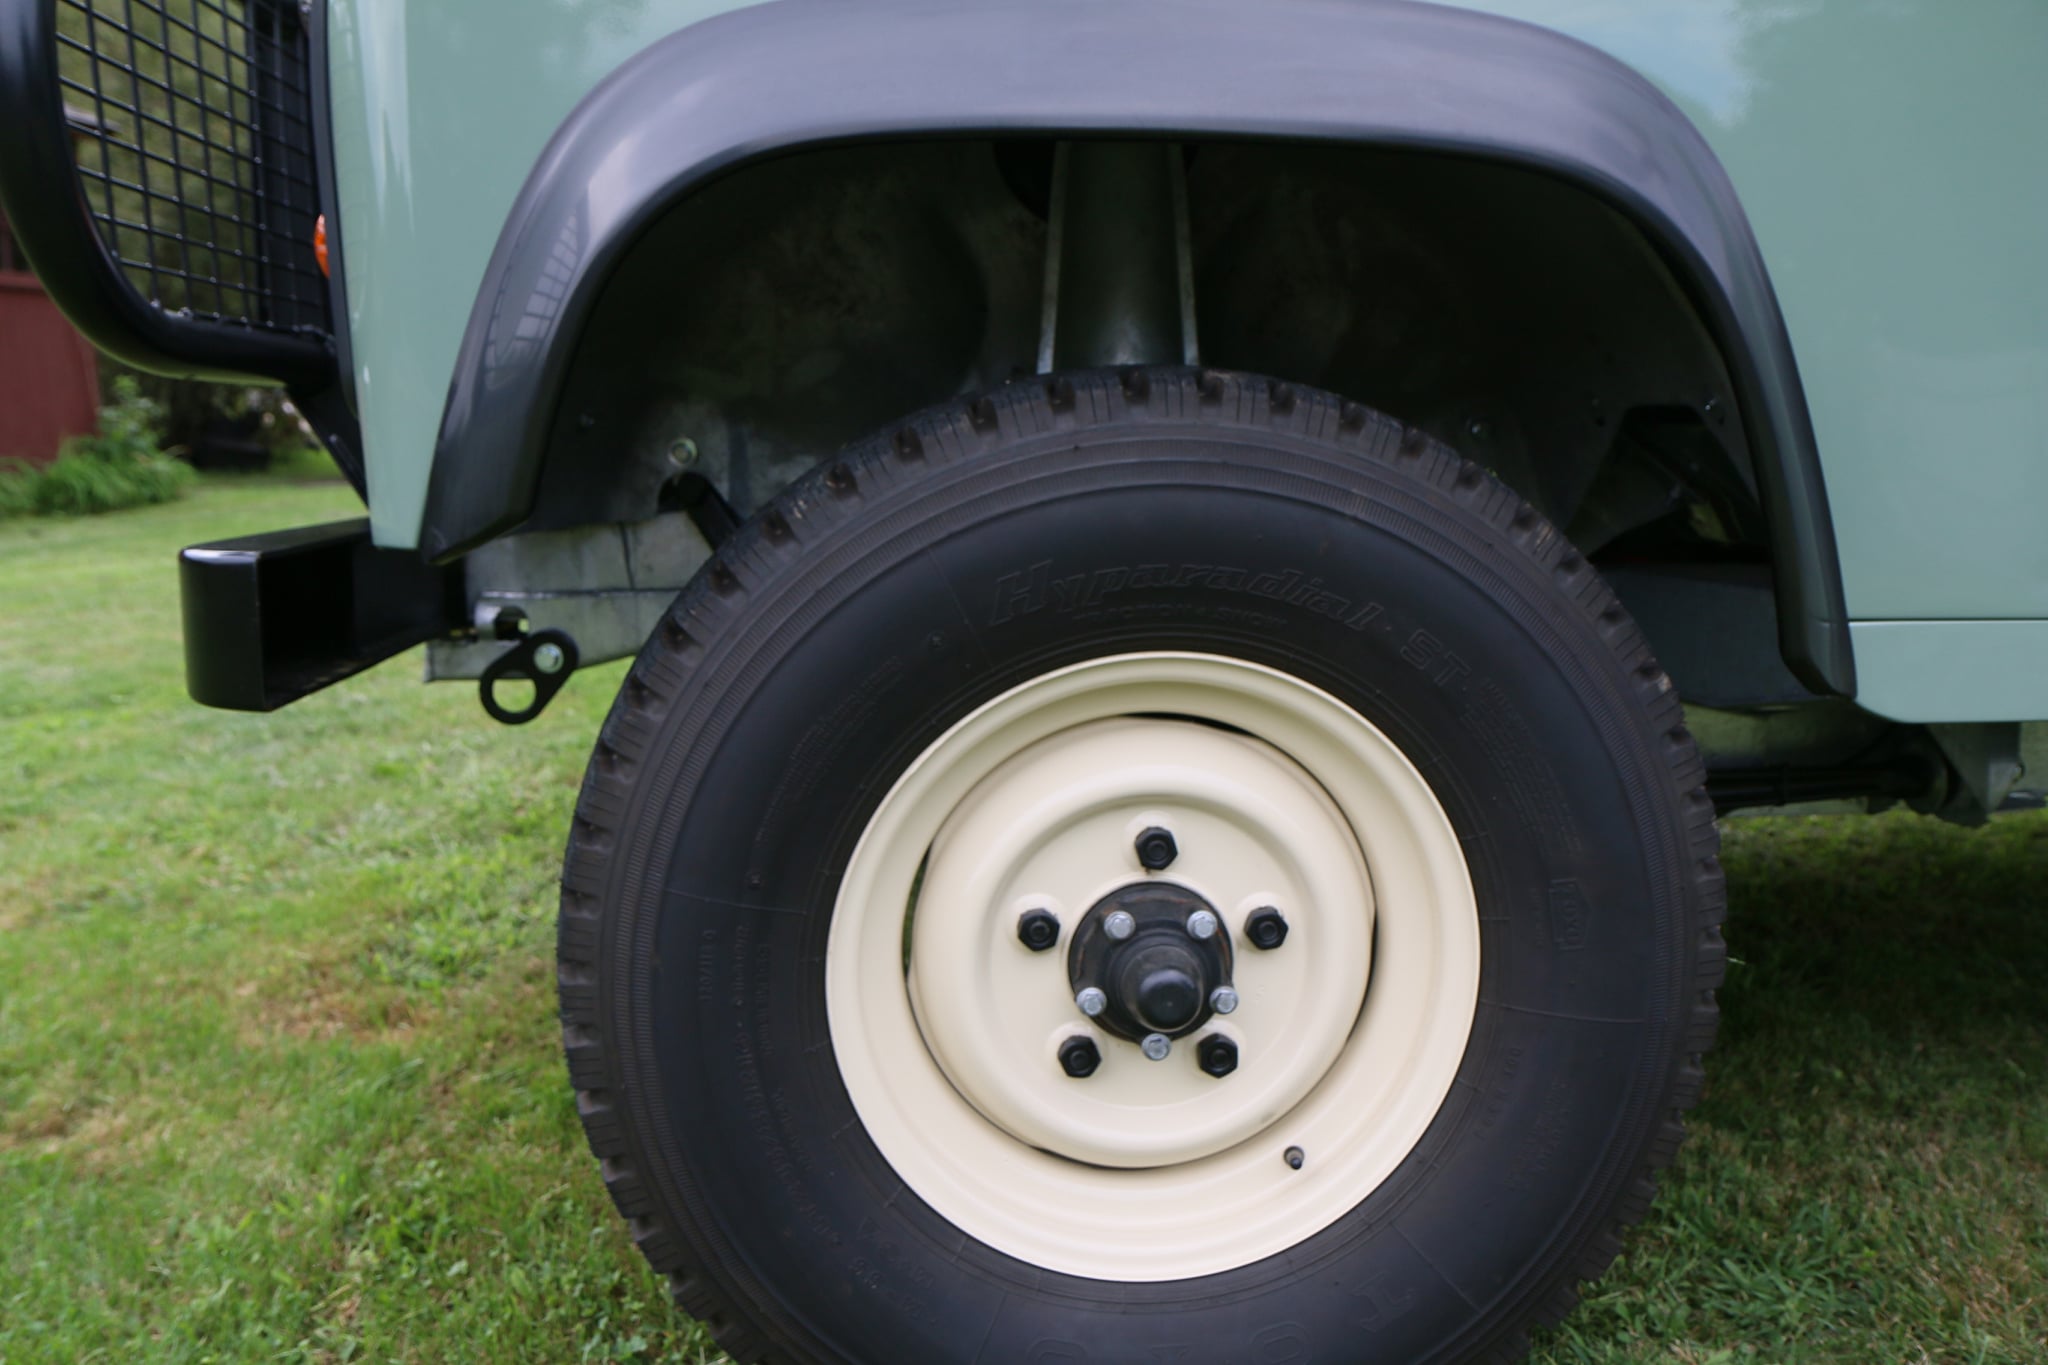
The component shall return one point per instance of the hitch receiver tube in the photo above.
(274, 617)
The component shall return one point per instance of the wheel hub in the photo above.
(1150, 841)
(1161, 976)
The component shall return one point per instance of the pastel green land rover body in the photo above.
(1201, 573)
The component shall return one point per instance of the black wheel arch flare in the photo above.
(786, 74)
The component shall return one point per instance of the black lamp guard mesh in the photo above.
(194, 131)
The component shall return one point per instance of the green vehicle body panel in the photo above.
(1887, 156)
(1951, 670)
(440, 109)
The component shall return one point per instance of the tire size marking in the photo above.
(1569, 915)
(880, 1267)
(1525, 775)
(1035, 588)
(1501, 1093)
(1382, 1304)
(1542, 1139)
(707, 967)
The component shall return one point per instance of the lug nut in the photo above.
(1091, 1000)
(1038, 929)
(1119, 925)
(1266, 928)
(1217, 1055)
(1078, 1057)
(1156, 849)
(1156, 1046)
(1201, 924)
(1223, 1000)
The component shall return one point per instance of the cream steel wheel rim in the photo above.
(946, 1027)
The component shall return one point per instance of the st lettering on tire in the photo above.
(1144, 865)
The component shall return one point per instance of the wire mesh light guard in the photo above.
(194, 135)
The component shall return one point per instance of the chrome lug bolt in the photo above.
(1091, 1000)
(1119, 925)
(1156, 1046)
(1223, 1000)
(1202, 924)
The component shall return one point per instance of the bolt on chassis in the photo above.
(1201, 573)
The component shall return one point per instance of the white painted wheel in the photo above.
(947, 1027)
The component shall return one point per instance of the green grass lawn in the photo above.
(279, 1075)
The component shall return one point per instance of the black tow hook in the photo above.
(545, 658)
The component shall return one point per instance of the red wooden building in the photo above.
(49, 375)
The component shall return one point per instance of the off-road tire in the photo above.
(853, 620)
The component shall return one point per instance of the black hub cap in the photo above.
(1158, 980)
(1163, 984)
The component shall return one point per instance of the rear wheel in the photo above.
(1143, 866)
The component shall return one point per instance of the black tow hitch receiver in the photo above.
(271, 618)
(545, 658)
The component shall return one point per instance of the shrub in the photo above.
(121, 466)
(17, 488)
(306, 463)
(215, 426)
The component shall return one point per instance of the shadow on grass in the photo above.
(1864, 1180)
(1893, 936)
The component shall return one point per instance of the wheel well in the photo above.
(803, 301)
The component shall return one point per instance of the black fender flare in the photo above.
(795, 73)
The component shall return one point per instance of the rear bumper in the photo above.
(271, 618)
